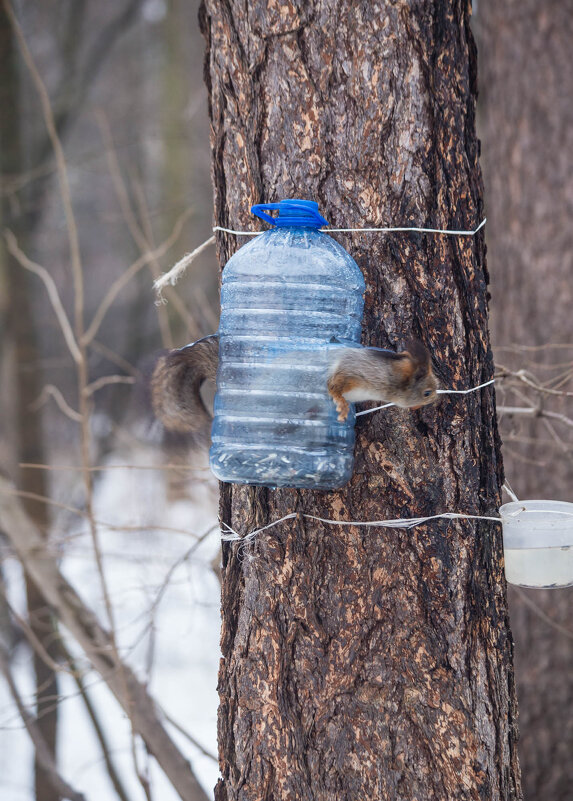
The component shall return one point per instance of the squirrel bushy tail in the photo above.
(176, 384)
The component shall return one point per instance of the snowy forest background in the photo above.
(125, 85)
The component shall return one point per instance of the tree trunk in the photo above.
(368, 662)
(527, 131)
(21, 371)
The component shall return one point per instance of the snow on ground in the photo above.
(165, 599)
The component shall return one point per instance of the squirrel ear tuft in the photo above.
(419, 353)
(406, 368)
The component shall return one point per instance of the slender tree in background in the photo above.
(368, 662)
(22, 205)
(527, 133)
(22, 373)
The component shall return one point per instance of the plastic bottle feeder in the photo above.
(538, 543)
(286, 296)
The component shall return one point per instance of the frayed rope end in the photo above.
(170, 278)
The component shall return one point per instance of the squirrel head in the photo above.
(418, 384)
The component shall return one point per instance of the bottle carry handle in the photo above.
(260, 210)
(291, 212)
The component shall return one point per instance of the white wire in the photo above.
(438, 391)
(172, 276)
(375, 409)
(464, 391)
(368, 230)
(229, 535)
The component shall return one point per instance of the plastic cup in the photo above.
(538, 543)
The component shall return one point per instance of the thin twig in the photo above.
(98, 728)
(522, 440)
(178, 562)
(115, 358)
(561, 379)
(34, 496)
(97, 643)
(51, 391)
(52, 291)
(62, 170)
(534, 348)
(131, 271)
(189, 736)
(520, 457)
(143, 241)
(530, 381)
(534, 411)
(76, 265)
(541, 614)
(106, 380)
(32, 638)
(42, 751)
(103, 467)
(556, 438)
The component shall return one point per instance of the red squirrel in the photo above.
(355, 374)
(373, 374)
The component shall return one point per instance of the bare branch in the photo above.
(96, 642)
(41, 749)
(534, 411)
(32, 638)
(126, 277)
(52, 291)
(171, 295)
(106, 380)
(189, 736)
(98, 728)
(556, 438)
(62, 169)
(50, 391)
(529, 380)
(143, 238)
(102, 467)
(537, 348)
(540, 613)
(115, 358)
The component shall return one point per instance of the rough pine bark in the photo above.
(368, 662)
(527, 131)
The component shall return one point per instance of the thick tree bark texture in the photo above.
(367, 662)
(527, 131)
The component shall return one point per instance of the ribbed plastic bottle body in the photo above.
(284, 297)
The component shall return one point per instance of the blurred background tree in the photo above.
(526, 127)
(125, 88)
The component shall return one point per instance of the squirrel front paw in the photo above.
(336, 387)
(342, 408)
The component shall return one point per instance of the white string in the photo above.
(464, 391)
(237, 233)
(375, 409)
(174, 274)
(230, 535)
(368, 230)
(510, 492)
(438, 391)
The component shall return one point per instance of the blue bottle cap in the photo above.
(291, 212)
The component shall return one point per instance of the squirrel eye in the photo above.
(427, 393)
